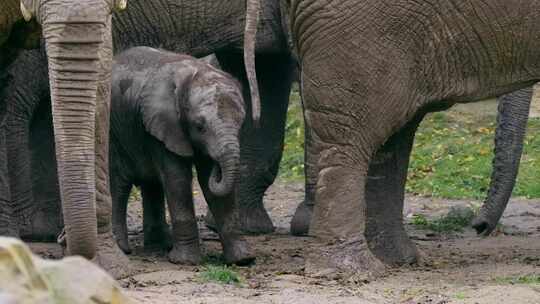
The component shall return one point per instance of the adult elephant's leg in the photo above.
(340, 216)
(235, 248)
(304, 211)
(7, 222)
(23, 99)
(156, 230)
(262, 147)
(47, 221)
(385, 194)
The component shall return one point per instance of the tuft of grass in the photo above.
(453, 153)
(220, 274)
(454, 221)
(530, 279)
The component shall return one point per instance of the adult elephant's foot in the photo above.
(344, 259)
(301, 219)
(236, 251)
(252, 220)
(186, 254)
(121, 236)
(110, 257)
(392, 246)
(158, 236)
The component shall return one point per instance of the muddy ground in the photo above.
(457, 268)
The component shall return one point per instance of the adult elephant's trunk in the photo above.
(511, 126)
(74, 67)
(253, 8)
(226, 167)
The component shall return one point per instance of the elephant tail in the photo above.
(253, 8)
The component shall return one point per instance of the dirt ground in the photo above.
(458, 268)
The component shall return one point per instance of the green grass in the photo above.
(451, 158)
(454, 221)
(530, 279)
(220, 274)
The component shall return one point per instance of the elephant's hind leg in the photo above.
(156, 230)
(385, 194)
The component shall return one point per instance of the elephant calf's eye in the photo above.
(199, 127)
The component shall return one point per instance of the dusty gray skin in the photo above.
(198, 28)
(170, 112)
(350, 117)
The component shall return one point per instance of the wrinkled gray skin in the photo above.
(170, 112)
(351, 116)
(80, 94)
(182, 30)
(512, 117)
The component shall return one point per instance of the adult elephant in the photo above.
(449, 53)
(200, 28)
(78, 44)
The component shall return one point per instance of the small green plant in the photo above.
(530, 279)
(454, 221)
(461, 296)
(220, 274)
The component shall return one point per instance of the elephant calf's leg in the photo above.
(261, 147)
(120, 195)
(302, 216)
(235, 248)
(385, 194)
(156, 230)
(176, 178)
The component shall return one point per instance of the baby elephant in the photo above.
(168, 113)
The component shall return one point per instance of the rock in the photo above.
(27, 279)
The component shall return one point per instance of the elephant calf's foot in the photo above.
(186, 254)
(393, 247)
(345, 259)
(301, 219)
(158, 237)
(110, 257)
(236, 251)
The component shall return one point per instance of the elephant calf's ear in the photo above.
(161, 118)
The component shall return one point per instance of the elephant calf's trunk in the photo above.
(225, 171)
